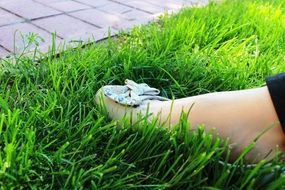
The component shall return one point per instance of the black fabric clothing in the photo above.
(276, 87)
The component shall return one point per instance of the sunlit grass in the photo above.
(53, 135)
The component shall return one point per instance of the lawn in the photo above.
(53, 136)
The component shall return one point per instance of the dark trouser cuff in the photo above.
(276, 87)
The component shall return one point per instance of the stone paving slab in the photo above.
(126, 12)
(8, 18)
(3, 52)
(76, 20)
(16, 32)
(28, 9)
(169, 4)
(63, 25)
(145, 6)
(98, 18)
(94, 35)
(67, 6)
(93, 3)
(115, 8)
(128, 25)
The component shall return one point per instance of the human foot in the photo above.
(130, 101)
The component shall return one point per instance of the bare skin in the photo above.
(240, 116)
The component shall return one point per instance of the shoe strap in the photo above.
(133, 94)
(141, 89)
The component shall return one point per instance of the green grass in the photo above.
(53, 136)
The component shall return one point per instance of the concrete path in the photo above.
(74, 20)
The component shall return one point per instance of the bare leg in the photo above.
(238, 115)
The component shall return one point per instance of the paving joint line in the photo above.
(5, 48)
(68, 14)
(114, 1)
(13, 13)
(47, 30)
(26, 20)
(122, 3)
(96, 8)
(87, 4)
(13, 23)
(98, 27)
(48, 16)
(64, 12)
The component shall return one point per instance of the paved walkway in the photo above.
(73, 20)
